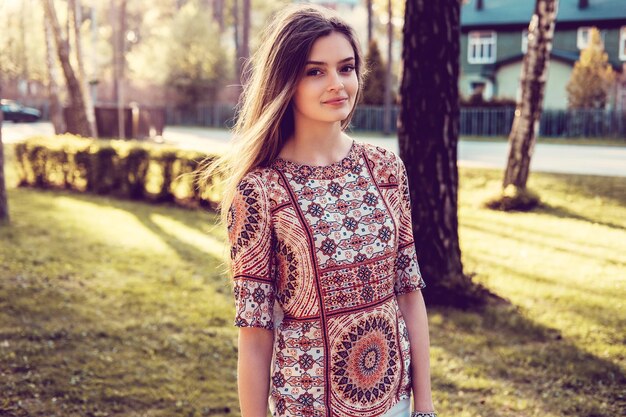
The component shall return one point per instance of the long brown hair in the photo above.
(264, 113)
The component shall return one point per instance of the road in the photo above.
(571, 159)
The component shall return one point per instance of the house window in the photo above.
(481, 48)
(524, 41)
(622, 43)
(584, 36)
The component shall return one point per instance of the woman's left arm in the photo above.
(414, 311)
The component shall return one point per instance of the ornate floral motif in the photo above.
(365, 360)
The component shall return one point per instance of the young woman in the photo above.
(326, 279)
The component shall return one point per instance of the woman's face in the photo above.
(329, 75)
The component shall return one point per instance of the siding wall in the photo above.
(503, 80)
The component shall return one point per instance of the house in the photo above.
(493, 43)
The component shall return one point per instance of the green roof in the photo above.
(512, 12)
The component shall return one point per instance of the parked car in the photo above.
(15, 112)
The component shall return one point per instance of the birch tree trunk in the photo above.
(237, 38)
(56, 110)
(4, 205)
(76, 118)
(387, 99)
(532, 84)
(77, 18)
(428, 131)
(245, 38)
(370, 22)
(218, 13)
(120, 65)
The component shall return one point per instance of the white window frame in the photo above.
(478, 45)
(622, 43)
(524, 41)
(580, 43)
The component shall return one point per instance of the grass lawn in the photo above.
(116, 308)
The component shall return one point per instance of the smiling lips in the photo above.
(339, 100)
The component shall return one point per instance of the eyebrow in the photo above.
(323, 63)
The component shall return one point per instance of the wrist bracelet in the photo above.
(421, 414)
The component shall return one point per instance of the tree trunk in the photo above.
(369, 21)
(532, 84)
(218, 14)
(388, 76)
(245, 39)
(4, 205)
(77, 18)
(56, 109)
(120, 66)
(237, 39)
(76, 118)
(428, 131)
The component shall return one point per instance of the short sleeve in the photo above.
(250, 238)
(408, 276)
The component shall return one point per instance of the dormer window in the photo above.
(584, 36)
(481, 47)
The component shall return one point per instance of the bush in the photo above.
(125, 169)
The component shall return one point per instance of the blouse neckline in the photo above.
(333, 170)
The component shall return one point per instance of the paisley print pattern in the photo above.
(319, 254)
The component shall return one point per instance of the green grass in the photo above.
(116, 308)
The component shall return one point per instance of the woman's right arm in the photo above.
(253, 370)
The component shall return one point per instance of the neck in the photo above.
(316, 143)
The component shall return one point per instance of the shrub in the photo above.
(125, 169)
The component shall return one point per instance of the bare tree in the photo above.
(4, 205)
(389, 75)
(237, 37)
(532, 84)
(76, 14)
(76, 119)
(118, 23)
(370, 23)
(56, 109)
(428, 132)
(245, 38)
(218, 13)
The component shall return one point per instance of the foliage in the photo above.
(127, 169)
(22, 44)
(374, 88)
(123, 308)
(196, 61)
(592, 77)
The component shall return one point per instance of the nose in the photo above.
(335, 82)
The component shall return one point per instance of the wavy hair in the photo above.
(265, 117)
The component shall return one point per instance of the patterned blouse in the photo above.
(319, 254)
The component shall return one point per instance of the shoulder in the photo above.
(263, 185)
(384, 163)
(258, 178)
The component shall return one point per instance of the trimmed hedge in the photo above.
(124, 169)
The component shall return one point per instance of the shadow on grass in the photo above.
(590, 186)
(531, 240)
(508, 365)
(606, 313)
(60, 358)
(83, 334)
(564, 213)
